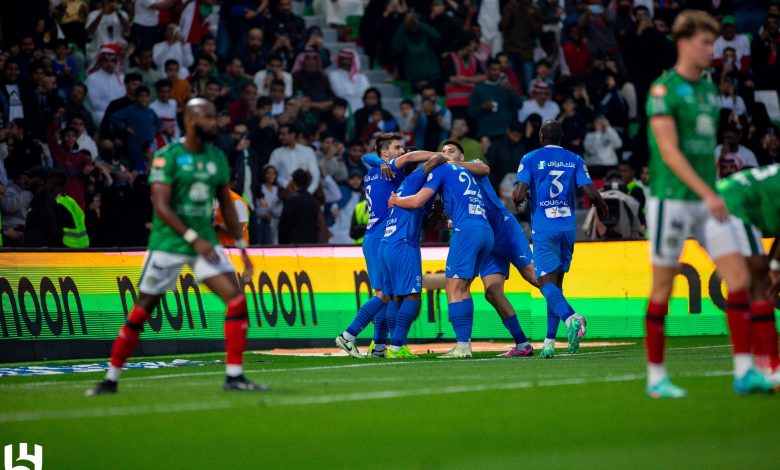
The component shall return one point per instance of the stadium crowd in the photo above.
(89, 90)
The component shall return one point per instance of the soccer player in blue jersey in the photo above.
(551, 176)
(403, 263)
(379, 183)
(471, 243)
(510, 246)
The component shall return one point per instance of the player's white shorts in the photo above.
(161, 270)
(670, 222)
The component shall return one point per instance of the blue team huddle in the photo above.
(401, 191)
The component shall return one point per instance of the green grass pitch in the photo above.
(583, 411)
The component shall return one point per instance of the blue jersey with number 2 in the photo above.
(461, 194)
(553, 175)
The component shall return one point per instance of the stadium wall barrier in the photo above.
(63, 305)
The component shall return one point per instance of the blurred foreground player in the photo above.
(684, 109)
(753, 197)
(186, 177)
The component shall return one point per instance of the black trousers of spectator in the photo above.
(143, 36)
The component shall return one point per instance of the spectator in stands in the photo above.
(414, 43)
(351, 195)
(301, 219)
(732, 150)
(84, 141)
(315, 41)
(273, 71)
(292, 156)
(463, 73)
(204, 71)
(15, 203)
(146, 19)
(650, 54)
(531, 128)
(769, 152)
(551, 52)
(634, 188)
(372, 98)
(180, 88)
(540, 103)
(521, 25)
(104, 85)
(330, 158)
(601, 147)
(611, 103)
(47, 101)
(173, 48)
(246, 106)
(45, 219)
(139, 124)
(269, 207)
(73, 163)
(76, 105)
(347, 80)
(765, 48)
(107, 25)
(443, 114)
(429, 130)
(576, 52)
(574, 126)
(15, 95)
(460, 134)
(738, 42)
(727, 166)
(337, 123)
(505, 153)
(26, 151)
(145, 68)
(310, 79)
(597, 21)
(255, 57)
(73, 21)
(381, 20)
(244, 161)
(234, 79)
(236, 19)
(493, 103)
(165, 107)
(132, 81)
(276, 97)
(284, 28)
(506, 69)
(730, 100)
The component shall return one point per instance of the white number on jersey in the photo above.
(555, 184)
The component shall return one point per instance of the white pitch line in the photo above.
(32, 416)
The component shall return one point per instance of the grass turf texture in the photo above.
(587, 410)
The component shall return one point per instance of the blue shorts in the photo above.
(403, 268)
(510, 247)
(373, 255)
(468, 250)
(553, 251)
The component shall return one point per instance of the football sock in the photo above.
(364, 316)
(392, 313)
(403, 321)
(549, 341)
(461, 321)
(656, 373)
(380, 326)
(738, 318)
(126, 341)
(552, 323)
(557, 302)
(655, 339)
(236, 325)
(764, 334)
(380, 347)
(513, 325)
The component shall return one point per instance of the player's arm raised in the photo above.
(161, 203)
(475, 167)
(668, 144)
(234, 227)
(411, 202)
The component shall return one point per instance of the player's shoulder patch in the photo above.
(659, 90)
(430, 177)
(159, 162)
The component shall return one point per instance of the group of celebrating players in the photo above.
(402, 187)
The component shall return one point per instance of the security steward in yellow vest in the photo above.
(74, 236)
(359, 223)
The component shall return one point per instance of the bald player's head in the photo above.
(551, 133)
(200, 118)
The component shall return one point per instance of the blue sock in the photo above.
(462, 319)
(513, 325)
(469, 303)
(556, 301)
(364, 316)
(403, 321)
(552, 323)
(392, 313)
(380, 326)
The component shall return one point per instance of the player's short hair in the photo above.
(383, 141)
(454, 144)
(690, 22)
(551, 132)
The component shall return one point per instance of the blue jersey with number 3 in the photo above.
(553, 175)
(378, 192)
(461, 194)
